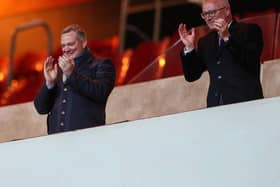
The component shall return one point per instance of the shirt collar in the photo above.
(85, 55)
(229, 24)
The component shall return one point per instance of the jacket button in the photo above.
(62, 112)
(220, 77)
(64, 101)
(219, 62)
(65, 89)
(61, 124)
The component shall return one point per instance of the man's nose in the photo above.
(208, 18)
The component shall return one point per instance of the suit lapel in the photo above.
(216, 49)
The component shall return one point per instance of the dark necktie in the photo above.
(221, 43)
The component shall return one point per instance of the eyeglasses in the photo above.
(211, 13)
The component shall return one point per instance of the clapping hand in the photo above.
(222, 27)
(186, 36)
(50, 70)
(66, 64)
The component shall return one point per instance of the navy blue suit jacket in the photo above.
(79, 102)
(234, 66)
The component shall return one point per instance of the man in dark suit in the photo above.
(77, 87)
(230, 53)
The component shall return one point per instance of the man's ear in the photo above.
(228, 11)
(84, 44)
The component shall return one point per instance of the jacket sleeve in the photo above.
(44, 100)
(246, 47)
(192, 64)
(99, 88)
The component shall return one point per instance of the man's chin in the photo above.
(70, 56)
(211, 27)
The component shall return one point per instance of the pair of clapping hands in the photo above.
(188, 36)
(65, 63)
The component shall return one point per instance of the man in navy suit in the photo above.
(230, 53)
(76, 89)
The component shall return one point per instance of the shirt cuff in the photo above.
(187, 50)
(226, 39)
(49, 85)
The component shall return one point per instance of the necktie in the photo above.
(221, 43)
(220, 48)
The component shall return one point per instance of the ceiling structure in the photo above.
(15, 7)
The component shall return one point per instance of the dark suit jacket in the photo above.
(234, 66)
(79, 102)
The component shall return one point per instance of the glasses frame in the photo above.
(211, 13)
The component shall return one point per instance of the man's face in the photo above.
(71, 45)
(211, 11)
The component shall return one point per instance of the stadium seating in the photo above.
(148, 61)
(267, 24)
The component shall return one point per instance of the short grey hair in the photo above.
(77, 29)
(222, 3)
